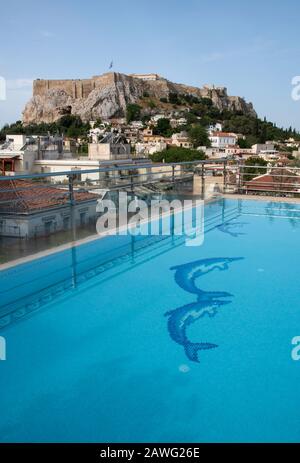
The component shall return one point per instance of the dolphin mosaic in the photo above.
(186, 275)
(207, 303)
(181, 318)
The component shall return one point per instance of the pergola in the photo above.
(8, 160)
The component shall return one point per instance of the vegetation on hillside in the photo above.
(255, 130)
(198, 136)
(199, 113)
(252, 168)
(178, 154)
(163, 128)
(133, 113)
(69, 125)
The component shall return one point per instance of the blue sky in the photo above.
(252, 48)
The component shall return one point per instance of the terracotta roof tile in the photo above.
(23, 196)
(284, 180)
(224, 134)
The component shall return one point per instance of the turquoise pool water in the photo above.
(146, 339)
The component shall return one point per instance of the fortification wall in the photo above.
(77, 88)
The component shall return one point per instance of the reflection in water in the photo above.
(208, 302)
(285, 210)
(71, 270)
(226, 227)
(41, 281)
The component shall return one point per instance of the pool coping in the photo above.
(275, 199)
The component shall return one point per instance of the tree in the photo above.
(173, 98)
(243, 143)
(145, 119)
(163, 128)
(133, 112)
(98, 123)
(69, 120)
(207, 102)
(191, 118)
(198, 136)
(178, 154)
(252, 168)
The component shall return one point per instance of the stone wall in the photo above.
(107, 96)
(77, 88)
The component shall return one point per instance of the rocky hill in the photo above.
(108, 95)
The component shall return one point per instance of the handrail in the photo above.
(236, 178)
(111, 169)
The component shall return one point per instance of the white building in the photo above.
(181, 139)
(218, 127)
(34, 210)
(178, 122)
(137, 124)
(157, 117)
(270, 155)
(146, 149)
(19, 152)
(96, 133)
(259, 147)
(111, 147)
(146, 76)
(222, 139)
(296, 153)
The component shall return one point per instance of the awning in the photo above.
(9, 156)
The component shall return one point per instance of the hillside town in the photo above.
(133, 149)
(108, 143)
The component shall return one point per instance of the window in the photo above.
(66, 223)
(48, 227)
(82, 218)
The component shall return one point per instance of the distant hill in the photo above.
(107, 96)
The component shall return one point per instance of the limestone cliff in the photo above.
(107, 96)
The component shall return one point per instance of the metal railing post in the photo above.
(131, 182)
(239, 177)
(71, 189)
(72, 204)
(73, 228)
(203, 181)
(225, 177)
(173, 174)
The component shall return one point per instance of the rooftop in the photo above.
(281, 179)
(223, 134)
(23, 196)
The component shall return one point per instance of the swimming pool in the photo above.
(144, 339)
